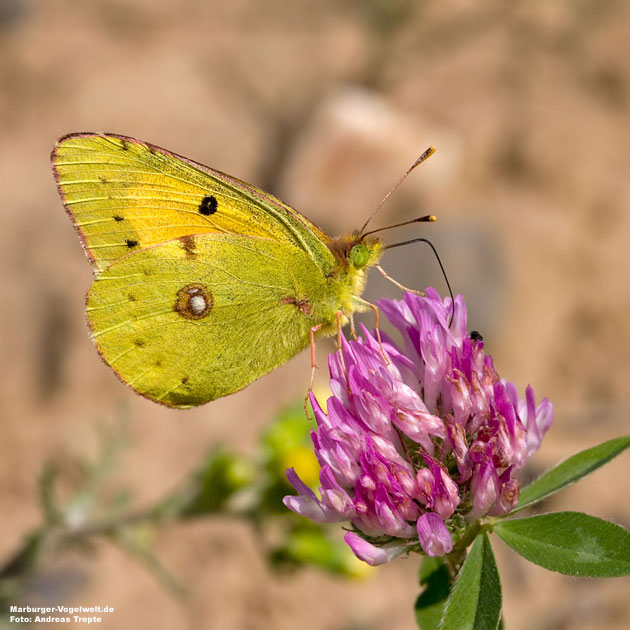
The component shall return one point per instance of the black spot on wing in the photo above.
(117, 218)
(208, 205)
(131, 243)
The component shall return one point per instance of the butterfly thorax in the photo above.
(353, 256)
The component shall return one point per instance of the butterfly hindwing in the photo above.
(124, 195)
(199, 317)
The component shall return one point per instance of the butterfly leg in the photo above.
(313, 362)
(377, 330)
(339, 345)
(314, 329)
(339, 315)
(353, 330)
(402, 287)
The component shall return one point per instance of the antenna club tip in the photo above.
(432, 217)
(427, 154)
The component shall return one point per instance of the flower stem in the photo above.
(454, 560)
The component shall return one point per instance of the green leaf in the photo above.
(475, 602)
(428, 567)
(570, 471)
(570, 542)
(430, 603)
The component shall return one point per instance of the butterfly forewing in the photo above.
(125, 195)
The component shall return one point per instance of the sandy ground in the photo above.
(325, 104)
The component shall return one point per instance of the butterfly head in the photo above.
(356, 252)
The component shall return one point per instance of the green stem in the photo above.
(454, 560)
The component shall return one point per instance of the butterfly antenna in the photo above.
(427, 154)
(437, 256)
(427, 218)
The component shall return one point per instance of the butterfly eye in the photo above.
(359, 255)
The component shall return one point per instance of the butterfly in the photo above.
(203, 283)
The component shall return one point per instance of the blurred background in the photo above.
(325, 104)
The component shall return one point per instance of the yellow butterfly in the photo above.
(203, 282)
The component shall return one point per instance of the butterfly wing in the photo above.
(124, 195)
(200, 317)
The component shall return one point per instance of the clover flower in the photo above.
(414, 449)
